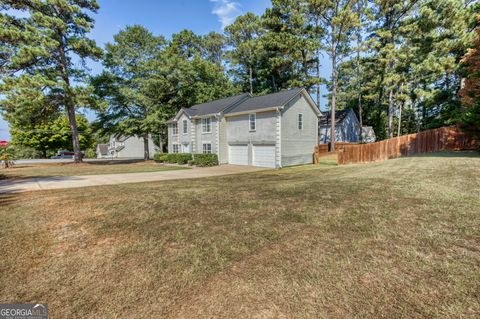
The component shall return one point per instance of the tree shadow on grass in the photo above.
(446, 154)
(8, 198)
(113, 162)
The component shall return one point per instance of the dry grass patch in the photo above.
(394, 239)
(85, 168)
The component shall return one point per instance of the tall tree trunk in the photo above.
(146, 151)
(390, 113)
(73, 127)
(334, 91)
(359, 88)
(68, 98)
(250, 78)
(318, 77)
(399, 132)
(160, 142)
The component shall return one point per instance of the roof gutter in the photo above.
(267, 109)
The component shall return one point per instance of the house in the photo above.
(347, 128)
(121, 146)
(273, 130)
(102, 151)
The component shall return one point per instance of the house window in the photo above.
(206, 125)
(207, 148)
(175, 148)
(253, 122)
(185, 128)
(175, 129)
(300, 121)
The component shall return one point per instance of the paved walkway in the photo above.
(43, 183)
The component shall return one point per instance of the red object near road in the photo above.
(3, 143)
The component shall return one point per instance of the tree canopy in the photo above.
(397, 64)
(42, 63)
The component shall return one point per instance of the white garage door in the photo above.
(238, 154)
(264, 155)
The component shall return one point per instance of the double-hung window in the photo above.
(174, 129)
(300, 121)
(175, 148)
(206, 125)
(185, 127)
(252, 121)
(207, 148)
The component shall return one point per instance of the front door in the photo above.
(185, 148)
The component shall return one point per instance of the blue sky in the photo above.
(163, 17)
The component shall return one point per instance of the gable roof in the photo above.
(103, 149)
(245, 103)
(218, 106)
(340, 116)
(212, 107)
(266, 101)
(272, 101)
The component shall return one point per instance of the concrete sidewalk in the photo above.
(60, 182)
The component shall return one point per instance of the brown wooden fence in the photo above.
(441, 139)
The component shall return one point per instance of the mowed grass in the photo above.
(398, 239)
(85, 168)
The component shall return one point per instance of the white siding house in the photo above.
(125, 147)
(275, 130)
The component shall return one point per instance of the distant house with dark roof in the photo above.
(347, 128)
(273, 130)
(121, 146)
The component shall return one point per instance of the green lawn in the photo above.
(85, 168)
(398, 239)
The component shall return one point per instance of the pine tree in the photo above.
(339, 19)
(243, 36)
(43, 65)
(470, 92)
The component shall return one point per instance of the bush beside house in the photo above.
(187, 158)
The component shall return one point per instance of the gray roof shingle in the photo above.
(241, 103)
(339, 117)
(266, 101)
(103, 148)
(216, 106)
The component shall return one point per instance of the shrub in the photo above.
(205, 159)
(183, 158)
(159, 158)
(179, 158)
(91, 153)
(6, 157)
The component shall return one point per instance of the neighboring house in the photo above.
(347, 128)
(274, 130)
(368, 134)
(102, 151)
(125, 147)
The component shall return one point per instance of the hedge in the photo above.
(179, 158)
(187, 158)
(205, 159)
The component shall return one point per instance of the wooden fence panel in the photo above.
(441, 139)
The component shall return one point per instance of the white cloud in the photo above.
(226, 11)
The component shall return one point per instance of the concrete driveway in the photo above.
(44, 183)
